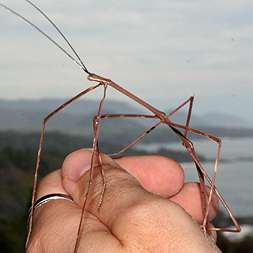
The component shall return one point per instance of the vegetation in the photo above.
(241, 246)
(17, 159)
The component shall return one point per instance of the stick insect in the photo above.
(180, 130)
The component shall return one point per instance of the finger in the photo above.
(212, 234)
(122, 189)
(134, 216)
(56, 223)
(51, 183)
(161, 175)
(76, 176)
(165, 176)
(190, 199)
(157, 174)
(51, 216)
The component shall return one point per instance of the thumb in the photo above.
(122, 190)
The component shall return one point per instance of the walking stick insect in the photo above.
(180, 130)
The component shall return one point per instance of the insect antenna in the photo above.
(60, 32)
(45, 35)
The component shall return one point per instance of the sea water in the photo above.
(235, 175)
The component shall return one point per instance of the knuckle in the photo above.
(155, 218)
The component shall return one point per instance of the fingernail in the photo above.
(75, 173)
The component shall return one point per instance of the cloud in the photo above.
(178, 46)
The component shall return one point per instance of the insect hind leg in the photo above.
(204, 175)
(189, 102)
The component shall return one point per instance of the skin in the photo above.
(147, 207)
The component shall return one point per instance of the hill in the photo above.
(27, 115)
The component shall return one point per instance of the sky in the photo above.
(163, 51)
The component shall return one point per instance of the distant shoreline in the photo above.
(22, 140)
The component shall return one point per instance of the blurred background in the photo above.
(164, 52)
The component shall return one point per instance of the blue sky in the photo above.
(164, 51)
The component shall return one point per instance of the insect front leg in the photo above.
(41, 142)
(96, 162)
(96, 131)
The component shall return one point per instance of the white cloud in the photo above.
(197, 46)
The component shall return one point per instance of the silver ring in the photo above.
(54, 196)
(47, 198)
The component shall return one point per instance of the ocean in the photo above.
(235, 176)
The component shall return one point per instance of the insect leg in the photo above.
(144, 133)
(95, 156)
(41, 142)
(188, 118)
(96, 131)
(190, 148)
(200, 174)
(139, 137)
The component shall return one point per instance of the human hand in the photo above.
(147, 207)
